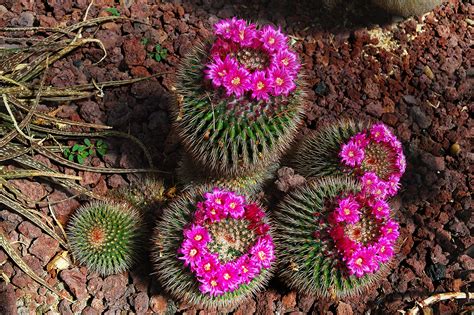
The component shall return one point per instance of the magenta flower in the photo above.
(282, 82)
(272, 39)
(395, 143)
(347, 210)
(401, 163)
(260, 85)
(218, 70)
(288, 60)
(247, 268)
(384, 250)
(207, 265)
(352, 154)
(369, 180)
(217, 197)
(235, 205)
(381, 209)
(198, 235)
(262, 252)
(237, 81)
(191, 252)
(224, 27)
(362, 261)
(253, 213)
(360, 139)
(243, 34)
(211, 284)
(214, 204)
(380, 133)
(378, 190)
(229, 277)
(393, 184)
(389, 230)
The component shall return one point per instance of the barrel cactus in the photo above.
(334, 240)
(370, 153)
(213, 248)
(240, 98)
(105, 236)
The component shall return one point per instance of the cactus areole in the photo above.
(240, 98)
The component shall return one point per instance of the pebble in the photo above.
(44, 247)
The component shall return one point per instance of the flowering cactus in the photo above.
(213, 248)
(240, 98)
(334, 239)
(371, 153)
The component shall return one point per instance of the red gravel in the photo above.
(418, 80)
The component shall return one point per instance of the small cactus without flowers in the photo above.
(334, 239)
(213, 248)
(370, 153)
(104, 236)
(240, 101)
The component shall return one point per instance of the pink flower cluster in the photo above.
(361, 258)
(353, 154)
(278, 75)
(214, 276)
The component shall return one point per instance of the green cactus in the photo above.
(308, 258)
(190, 173)
(104, 236)
(232, 136)
(177, 279)
(317, 154)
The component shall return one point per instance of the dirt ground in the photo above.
(415, 75)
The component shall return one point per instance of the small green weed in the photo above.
(79, 152)
(159, 53)
(113, 11)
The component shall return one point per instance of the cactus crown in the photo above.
(239, 98)
(104, 236)
(332, 238)
(224, 243)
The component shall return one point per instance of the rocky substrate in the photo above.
(414, 75)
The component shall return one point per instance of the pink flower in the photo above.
(282, 82)
(378, 190)
(288, 60)
(247, 268)
(223, 28)
(198, 235)
(272, 39)
(393, 184)
(191, 252)
(218, 70)
(401, 163)
(207, 265)
(362, 261)
(235, 205)
(215, 205)
(243, 34)
(229, 277)
(380, 133)
(211, 284)
(368, 180)
(216, 197)
(237, 81)
(389, 230)
(384, 250)
(381, 209)
(347, 210)
(360, 139)
(352, 154)
(395, 143)
(253, 213)
(260, 85)
(221, 48)
(262, 252)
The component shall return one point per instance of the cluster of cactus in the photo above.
(240, 100)
(336, 234)
(213, 248)
(105, 236)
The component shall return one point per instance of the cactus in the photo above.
(212, 248)
(407, 8)
(191, 174)
(333, 239)
(368, 152)
(105, 236)
(240, 100)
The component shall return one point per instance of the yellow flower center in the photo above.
(351, 153)
(207, 267)
(232, 205)
(213, 283)
(193, 252)
(389, 231)
(358, 261)
(235, 81)
(369, 182)
(213, 211)
(218, 201)
(260, 85)
(242, 35)
(261, 255)
(271, 40)
(285, 61)
(279, 81)
(347, 211)
(244, 269)
(382, 249)
(222, 73)
(227, 276)
(198, 237)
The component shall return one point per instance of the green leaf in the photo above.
(101, 152)
(99, 142)
(87, 142)
(113, 11)
(90, 152)
(71, 157)
(144, 41)
(157, 57)
(80, 159)
(66, 152)
(75, 147)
